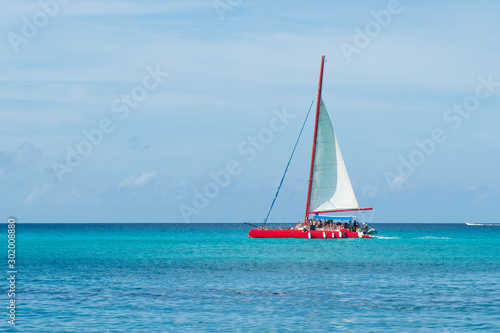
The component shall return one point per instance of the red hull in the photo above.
(258, 233)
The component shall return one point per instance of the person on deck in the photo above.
(356, 226)
(313, 225)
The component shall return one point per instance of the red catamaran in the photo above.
(329, 190)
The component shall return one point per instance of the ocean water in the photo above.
(213, 278)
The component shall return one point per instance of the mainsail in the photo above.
(331, 188)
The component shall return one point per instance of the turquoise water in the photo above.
(213, 278)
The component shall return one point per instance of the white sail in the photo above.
(331, 187)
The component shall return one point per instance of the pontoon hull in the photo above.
(258, 233)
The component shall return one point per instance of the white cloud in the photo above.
(398, 183)
(139, 181)
(128, 8)
(474, 186)
(490, 137)
(24, 155)
(370, 191)
(38, 192)
(19, 9)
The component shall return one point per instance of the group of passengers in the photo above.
(328, 225)
(323, 225)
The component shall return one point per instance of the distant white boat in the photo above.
(476, 224)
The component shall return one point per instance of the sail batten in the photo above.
(331, 188)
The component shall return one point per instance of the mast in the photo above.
(318, 102)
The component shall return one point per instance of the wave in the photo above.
(387, 237)
(431, 237)
(483, 224)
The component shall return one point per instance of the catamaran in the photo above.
(329, 188)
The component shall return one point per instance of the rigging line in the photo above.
(356, 157)
(286, 169)
(373, 212)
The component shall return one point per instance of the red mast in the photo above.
(318, 103)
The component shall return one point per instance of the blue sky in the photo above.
(207, 76)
